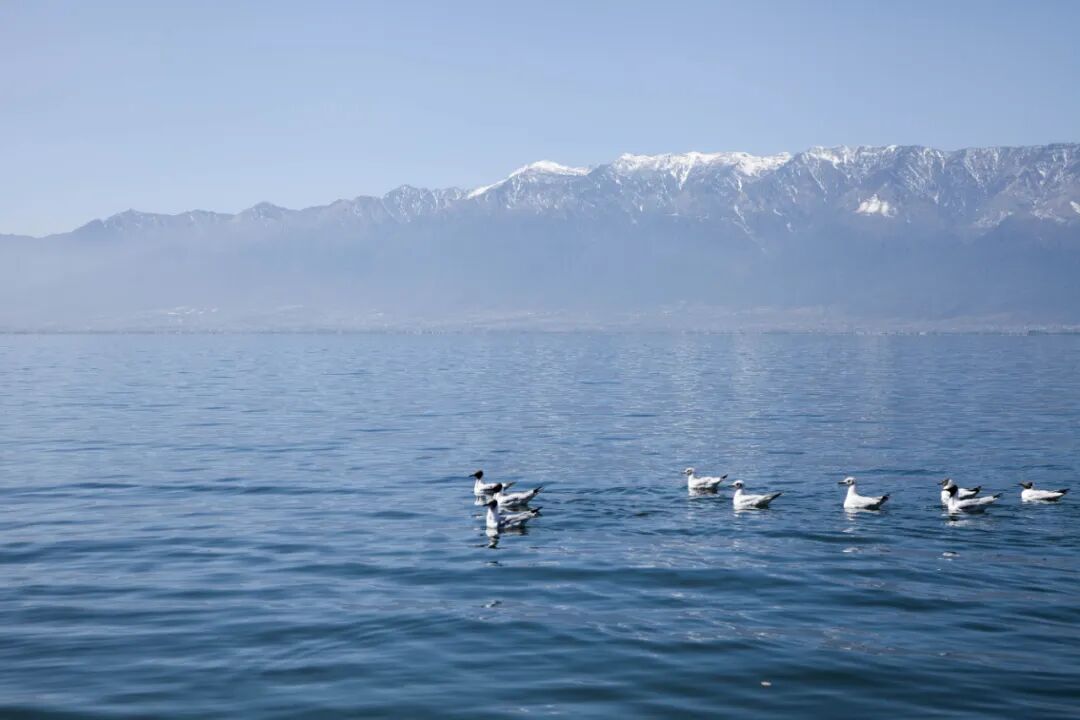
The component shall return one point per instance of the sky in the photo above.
(167, 107)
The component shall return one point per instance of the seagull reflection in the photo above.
(494, 535)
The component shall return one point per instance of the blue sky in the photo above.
(166, 107)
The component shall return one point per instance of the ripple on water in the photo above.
(282, 526)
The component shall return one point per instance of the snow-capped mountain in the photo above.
(897, 231)
(969, 190)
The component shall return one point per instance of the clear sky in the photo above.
(171, 106)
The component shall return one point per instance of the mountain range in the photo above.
(896, 237)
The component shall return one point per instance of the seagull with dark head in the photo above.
(497, 520)
(962, 493)
(956, 506)
(482, 488)
(517, 499)
(1031, 494)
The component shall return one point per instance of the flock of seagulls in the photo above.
(509, 510)
(957, 500)
(495, 498)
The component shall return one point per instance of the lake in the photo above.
(267, 526)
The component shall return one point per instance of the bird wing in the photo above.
(517, 498)
(518, 517)
(879, 500)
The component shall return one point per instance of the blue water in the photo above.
(280, 526)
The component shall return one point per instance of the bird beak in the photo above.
(842, 482)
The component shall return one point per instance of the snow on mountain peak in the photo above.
(550, 168)
(477, 192)
(876, 206)
(539, 168)
(840, 155)
(848, 154)
(679, 165)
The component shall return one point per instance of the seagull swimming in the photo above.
(498, 521)
(482, 488)
(745, 501)
(961, 493)
(855, 501)
(1030, 494)
(693, 482)
(516, 499)
(971, 505)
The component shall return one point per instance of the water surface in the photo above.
(280, 526)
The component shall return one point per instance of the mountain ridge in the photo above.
(884, 235)
(679, 166)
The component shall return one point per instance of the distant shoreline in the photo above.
(552, 331)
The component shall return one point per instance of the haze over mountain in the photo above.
(886, 237)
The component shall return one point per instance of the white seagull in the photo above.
(693, 482)
(971, 505)
(1030, 494)
(855, 501)
(498, 521)
(482, 488)
(517, 499)
(961, 493)
(745, 501)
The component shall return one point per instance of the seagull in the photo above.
(961, 493)
(497, 521)
(1030, 494)
(693, 482)
(482, 488)
(855, 501)
(517, 499)
(971, 505)
(745, 501)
